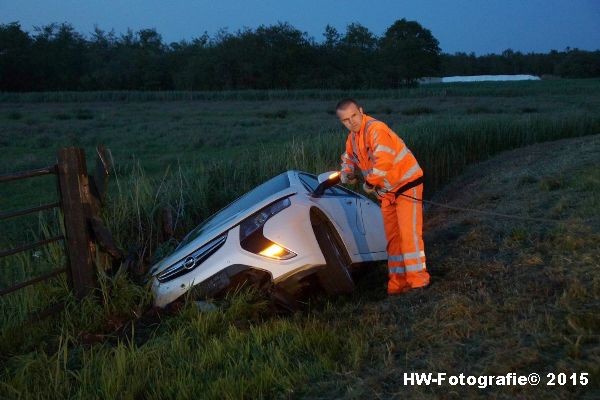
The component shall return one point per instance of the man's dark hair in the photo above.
(345, 103)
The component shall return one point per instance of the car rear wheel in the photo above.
(334, 277)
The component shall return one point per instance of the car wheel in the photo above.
(334, 277)
(281, 299)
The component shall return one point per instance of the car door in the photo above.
(342, 205)
(372, 220)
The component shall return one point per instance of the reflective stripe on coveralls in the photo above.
(414, 228)
(381, 147)
(365, 134)
(408, 256)
(402, 270)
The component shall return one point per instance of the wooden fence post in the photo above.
(75, 198)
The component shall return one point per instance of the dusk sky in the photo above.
(480, 26)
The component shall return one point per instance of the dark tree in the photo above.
(101, 59)
(579, 64)
(409, 52)
(58, 57)
(16, 69)
(359, 50)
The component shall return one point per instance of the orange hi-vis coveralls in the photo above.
(388, 165)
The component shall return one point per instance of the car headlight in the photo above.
(193, 260)
(251, 233)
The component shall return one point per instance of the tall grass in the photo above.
(445, 148)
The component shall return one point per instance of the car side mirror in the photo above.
(326, 180)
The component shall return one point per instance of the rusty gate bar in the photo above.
(11, 214)
(29, 246)
(46, 312)
(32, 281)
(28, 174)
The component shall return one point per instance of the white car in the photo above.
(293, 229)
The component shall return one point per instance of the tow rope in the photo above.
(518, 217)
(418, 181)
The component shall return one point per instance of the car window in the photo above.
(259, 193)
(311, 182)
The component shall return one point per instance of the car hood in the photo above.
(217, 230)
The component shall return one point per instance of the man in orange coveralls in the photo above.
(389, 169)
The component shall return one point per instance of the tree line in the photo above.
(57, 57)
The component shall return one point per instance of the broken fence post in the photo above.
(75, 198)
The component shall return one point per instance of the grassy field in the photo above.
(217, 138)
(507, 296)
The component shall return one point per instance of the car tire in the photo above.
(334, 277)
(283, 302)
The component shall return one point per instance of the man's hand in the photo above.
(348, 178)
(368, 188)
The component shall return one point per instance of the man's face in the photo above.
(351, 117)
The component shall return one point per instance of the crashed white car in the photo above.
(293, 229)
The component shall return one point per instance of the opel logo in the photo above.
(189, 262)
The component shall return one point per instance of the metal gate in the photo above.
(79, 197)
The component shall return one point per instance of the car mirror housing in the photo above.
(327, 175)
(326, 180)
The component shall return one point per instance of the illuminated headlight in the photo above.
(273, 250)
(192, 261)
(252, 238)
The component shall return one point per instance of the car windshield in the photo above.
(256, 195)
